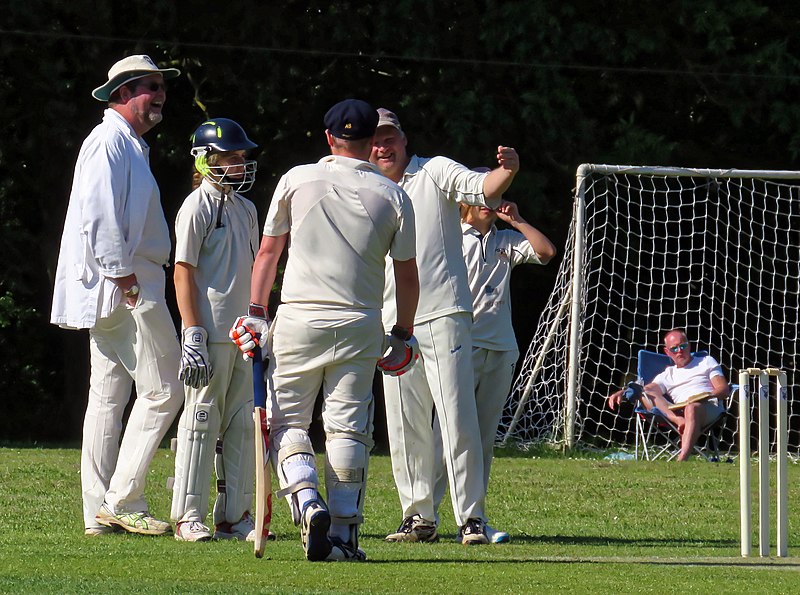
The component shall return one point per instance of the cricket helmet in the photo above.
(221, 135)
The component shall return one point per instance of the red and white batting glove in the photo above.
(403, 352)
(251, 330)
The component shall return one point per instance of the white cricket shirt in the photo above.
(218, 234)
(114, 218)
(344, 217)
(490, 259)
(436, 186)
(692, 379)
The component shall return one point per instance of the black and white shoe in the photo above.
(342, 551)
(473, 532)
(415, 528)
(315, 520)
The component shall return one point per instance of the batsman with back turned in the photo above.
(344, 218)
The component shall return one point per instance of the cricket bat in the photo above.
(263, 473)
(692, 399)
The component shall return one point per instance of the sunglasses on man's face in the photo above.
(153, 86)
(677, 348)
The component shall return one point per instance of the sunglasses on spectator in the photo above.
(677, 348)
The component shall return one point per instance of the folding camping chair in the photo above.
(656, 435)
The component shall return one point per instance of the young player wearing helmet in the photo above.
(216, 241)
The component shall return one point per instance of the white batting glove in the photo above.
(195, 367)
(403, 352)
(250, 331)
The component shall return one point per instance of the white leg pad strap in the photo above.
(294, 465)
(193, 461)
(235, 466)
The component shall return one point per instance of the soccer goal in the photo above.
(652, 248)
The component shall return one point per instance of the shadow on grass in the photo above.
(730, 562)
(591, 540)
(596, 541)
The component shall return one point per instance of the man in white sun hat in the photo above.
(110, 280)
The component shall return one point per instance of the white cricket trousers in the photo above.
(140, 346)
(494, 372)
(442, 379)
(335, 351)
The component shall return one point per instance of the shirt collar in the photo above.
(212, 190)
(113, 117)
(350, 162)
(413, 166)
(466, 228)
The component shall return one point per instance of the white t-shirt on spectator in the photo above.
(690, 380)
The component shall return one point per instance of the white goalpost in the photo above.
(653, 248)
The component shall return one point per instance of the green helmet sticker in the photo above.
(201, 165)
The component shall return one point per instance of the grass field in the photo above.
(578, 525)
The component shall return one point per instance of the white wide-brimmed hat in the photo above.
(128, 69)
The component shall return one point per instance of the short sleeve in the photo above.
(191, 225)
(404, 243)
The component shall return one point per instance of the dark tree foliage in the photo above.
(684, 82)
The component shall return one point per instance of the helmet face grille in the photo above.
(240, 177)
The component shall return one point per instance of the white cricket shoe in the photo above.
(415, 529)
(473, 532)
(315, 520)
(192, 531)
(495, 536)
(243, 530)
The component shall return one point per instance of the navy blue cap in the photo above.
(352, 119)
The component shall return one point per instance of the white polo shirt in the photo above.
(344, 217)
(490, 259)
(218, 234)
(114, 219)
(436, 186)
(692, 379)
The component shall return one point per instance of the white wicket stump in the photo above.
(782, 439)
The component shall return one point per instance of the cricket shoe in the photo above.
(415, 528)
(492, 534)
(315, 520)
(97, 531)
(495, 536)
(133, 522)
(473, 532)
(342, 551)
(243, 530)
(192, 531)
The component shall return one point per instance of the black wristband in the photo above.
(402, 333)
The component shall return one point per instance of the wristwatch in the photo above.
(132, 291)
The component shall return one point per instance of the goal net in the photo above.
(716, 252)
